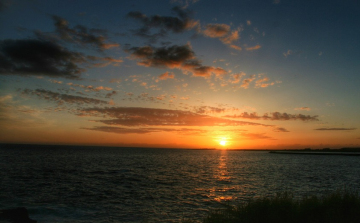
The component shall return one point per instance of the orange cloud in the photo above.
(223, 33)
(216, 30)
(263, 82)
(236, 47)
(166, 75)
(246, 82)
(303, 108)
(253, 48)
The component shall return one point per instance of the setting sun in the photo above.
(223, 142)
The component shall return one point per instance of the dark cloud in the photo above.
(286, 116)
(62, 98)
(279, 129)
(176, 24)
(109, 95)
(37, 57)
(121, 130)
(180, 57)
(275, 116)
(81, 34)
(335, 129)
(128, 116)
(208, 109)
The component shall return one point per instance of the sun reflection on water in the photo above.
(223, 179)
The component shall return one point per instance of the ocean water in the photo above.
(101, 184)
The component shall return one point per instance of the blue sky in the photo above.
(171, 73)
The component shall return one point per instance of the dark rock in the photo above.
(16, 215)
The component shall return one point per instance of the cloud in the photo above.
(36, 57)
(185, 3)
(105, 61)
(56, 81)
(121, 130)
(166, 75)
(216, 30)
(253, 48)
(236, 47)
(165, 23)
(335, 129)
(132, 116)
(90, 87)
(62, 98)
(291, 52)
(275, 116)
(81, 34)
(237, 77)
(180, 57)
(223, 33)
(263, 81)
(109, 95)
(255, 136)
(303, 108)
(246, 82)
(279, 129)
(208, 109)
(115, 80)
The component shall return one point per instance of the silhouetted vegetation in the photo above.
(340, 206)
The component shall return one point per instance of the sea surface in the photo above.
(102, 184)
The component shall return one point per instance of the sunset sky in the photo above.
(235, 74)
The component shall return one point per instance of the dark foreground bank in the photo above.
(16, 215)
(336, 207)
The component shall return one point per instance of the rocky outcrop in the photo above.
(16, 215)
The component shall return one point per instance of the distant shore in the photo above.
(325, 151)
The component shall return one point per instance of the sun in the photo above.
(223, 142)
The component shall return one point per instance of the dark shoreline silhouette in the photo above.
(325, 151)
(16, 215)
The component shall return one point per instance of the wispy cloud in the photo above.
(255, 136)
(291, 52)
(90, 87)
(137, 116)
(122, 130)
(253, 48)
(208, 109)
(62, 98)
(335, 129)
(275, 116)
(303, 108)
(185, 3)
(280, 129)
